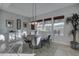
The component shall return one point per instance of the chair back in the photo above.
(48, 37)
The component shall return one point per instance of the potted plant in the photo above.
(74, 20)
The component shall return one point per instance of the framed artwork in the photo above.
(24, 24)
(32, 26)
(18, 24)
(9, 23)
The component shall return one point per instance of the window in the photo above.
(48, 25)
(59, 28)
(39, 26)
(44, 28)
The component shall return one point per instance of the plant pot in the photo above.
(74, 45)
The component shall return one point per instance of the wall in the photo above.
(0, 23)
(7, 15)
(67, 11)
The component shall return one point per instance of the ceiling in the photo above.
(27, 9)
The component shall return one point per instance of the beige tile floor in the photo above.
(54, 49)
(57, 50)
(63, 50)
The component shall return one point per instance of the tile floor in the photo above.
(57, 50)
(54, 49)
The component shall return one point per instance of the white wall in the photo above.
(7, 15)
(66, 12)
(0, 23)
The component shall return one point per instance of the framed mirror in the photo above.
(9, 23)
